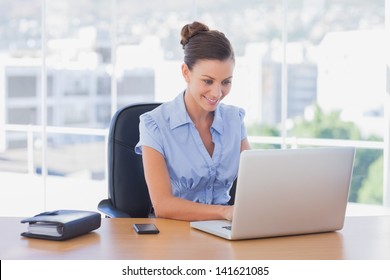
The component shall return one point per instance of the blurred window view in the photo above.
(308, 73)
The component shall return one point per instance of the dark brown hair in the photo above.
(199, 42)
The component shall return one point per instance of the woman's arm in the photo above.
(245, 145)
(165, 204)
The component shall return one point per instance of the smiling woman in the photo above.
(191, 145)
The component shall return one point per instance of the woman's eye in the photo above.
(227, 82)
(208, 82)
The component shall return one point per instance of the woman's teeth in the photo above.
(211, 100)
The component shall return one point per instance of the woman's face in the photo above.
(209, 82)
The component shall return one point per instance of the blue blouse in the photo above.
(194, 174)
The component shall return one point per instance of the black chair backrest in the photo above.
(126, 182)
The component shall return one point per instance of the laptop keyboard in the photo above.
(228, 227)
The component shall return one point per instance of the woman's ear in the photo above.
(186, 72)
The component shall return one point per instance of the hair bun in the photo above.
(190, 30)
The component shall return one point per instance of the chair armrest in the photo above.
(106, 207)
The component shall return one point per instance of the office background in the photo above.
(308, 73)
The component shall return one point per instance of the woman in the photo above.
(191, 145)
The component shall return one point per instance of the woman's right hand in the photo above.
(228, 212)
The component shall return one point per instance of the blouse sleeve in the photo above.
(243, 128)
(149, 134)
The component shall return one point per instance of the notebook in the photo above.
(61, 224)
(287, 192)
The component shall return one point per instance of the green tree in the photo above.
(263, 130)
(371, 191)
(325, 126)
(363, 160)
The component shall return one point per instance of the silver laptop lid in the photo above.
(291, 191)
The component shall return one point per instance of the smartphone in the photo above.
(146, 228)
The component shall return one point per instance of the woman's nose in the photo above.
(217, 92)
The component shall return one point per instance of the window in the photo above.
(308, 73)
(21, 86)
(23, 115)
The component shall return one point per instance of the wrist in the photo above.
(227, 212)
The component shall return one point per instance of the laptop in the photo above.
(283, 192)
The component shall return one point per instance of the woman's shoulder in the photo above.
(160, 114)
(228, 110)
(153, 117)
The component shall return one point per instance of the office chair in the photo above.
(128, 195)
(233, 193)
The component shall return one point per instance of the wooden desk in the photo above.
(361, 238)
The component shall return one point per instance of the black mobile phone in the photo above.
(146, 228)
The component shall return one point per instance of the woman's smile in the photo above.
(212, 101)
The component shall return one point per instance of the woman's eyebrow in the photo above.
(211, 78)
